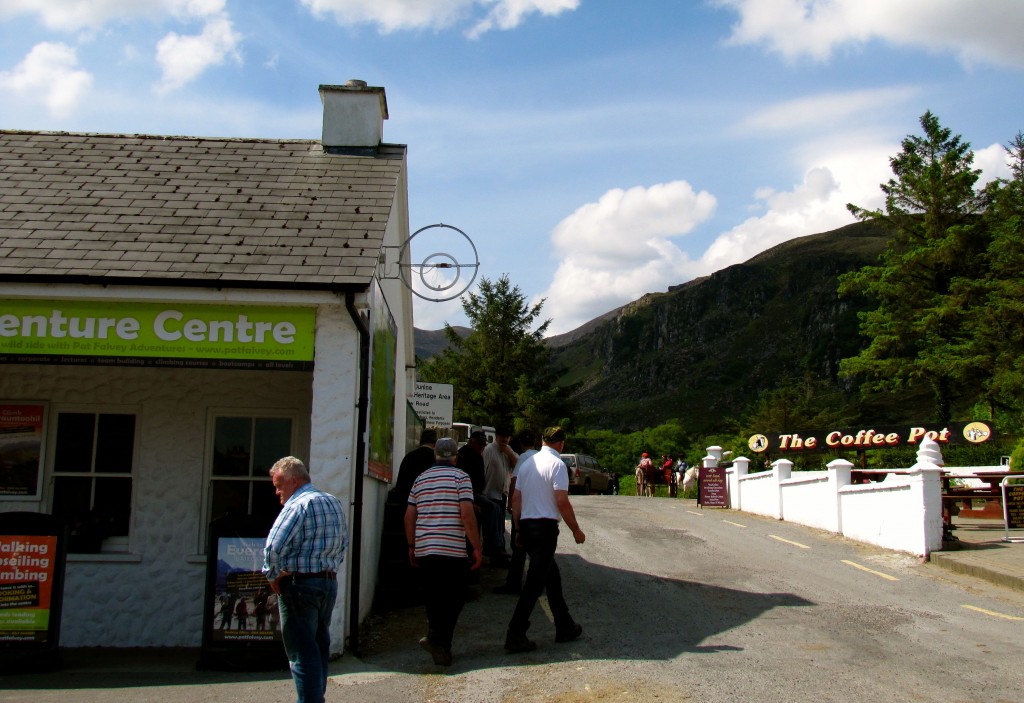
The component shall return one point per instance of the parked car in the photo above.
(587, 476)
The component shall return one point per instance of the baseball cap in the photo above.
(446, 448)
(478, 435)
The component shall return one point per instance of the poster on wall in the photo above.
(21, 450)
(383, 358)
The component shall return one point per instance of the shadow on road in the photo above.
(626, 615)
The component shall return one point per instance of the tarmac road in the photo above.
(677, 604)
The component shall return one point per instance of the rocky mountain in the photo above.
(427, 343)
(704, 350)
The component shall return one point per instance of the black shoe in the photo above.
(570, 634)
(518, 645)
(440, 655)
(507, 589)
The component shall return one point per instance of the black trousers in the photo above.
(539, 539)
(444, 581)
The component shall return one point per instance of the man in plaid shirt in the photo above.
(304, 550)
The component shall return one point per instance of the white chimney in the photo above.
(354, 115)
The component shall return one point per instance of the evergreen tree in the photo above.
(501, 371)
(997, 319)
(917, 333)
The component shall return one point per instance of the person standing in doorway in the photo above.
(304, 550)
(540, 500)
(440, 517)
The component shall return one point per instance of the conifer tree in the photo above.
(917, 333)
(997, 318)
(502, 370)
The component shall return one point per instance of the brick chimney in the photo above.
(354, 115)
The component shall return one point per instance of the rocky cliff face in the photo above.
(703, 351)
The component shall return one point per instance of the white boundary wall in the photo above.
(902, 512)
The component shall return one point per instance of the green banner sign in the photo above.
(143, 334)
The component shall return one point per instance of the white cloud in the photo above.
(620, 247)
(848, 174)
(184, 58)
(509, 14)
(994, 163)
(825, 110)
(49, 74)
(74, 15)
(975, 32)
(394, 15)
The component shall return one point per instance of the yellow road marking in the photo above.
(697, 514)
(870, 571)
(735, 524)
(795, 544)
(992, 613)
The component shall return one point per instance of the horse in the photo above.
(689, 478)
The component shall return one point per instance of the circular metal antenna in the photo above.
(437, 275)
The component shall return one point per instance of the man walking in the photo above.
(499, 459)
(439, 520)
(541, 498)
(529, 441)
(304, 550)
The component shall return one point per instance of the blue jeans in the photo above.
(306, 605)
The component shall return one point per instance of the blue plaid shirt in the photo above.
(309, 535)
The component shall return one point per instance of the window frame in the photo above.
(212, 415)
(112, 546)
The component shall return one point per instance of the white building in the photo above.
(184, 311)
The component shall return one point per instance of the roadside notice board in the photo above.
(1013, 505)
(32, 559)
(434, 403)
(241, 621)
(713, 491)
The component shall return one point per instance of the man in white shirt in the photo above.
(529, 443)
(540, 500)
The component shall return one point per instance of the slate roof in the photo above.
(193, 211)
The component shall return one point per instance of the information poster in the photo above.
(21, 448)
(244, 607)
(27, 567)
(712, 487)
(1013, 505)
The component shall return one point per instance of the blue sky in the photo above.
(593, 150)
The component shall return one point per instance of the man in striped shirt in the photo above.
(304, 550)
(438, 521)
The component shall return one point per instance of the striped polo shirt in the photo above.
(438, 494)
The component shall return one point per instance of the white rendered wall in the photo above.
(153, 596)
(760, 493)
(810, 499)
(903, 512)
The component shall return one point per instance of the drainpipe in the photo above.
(356, 549)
